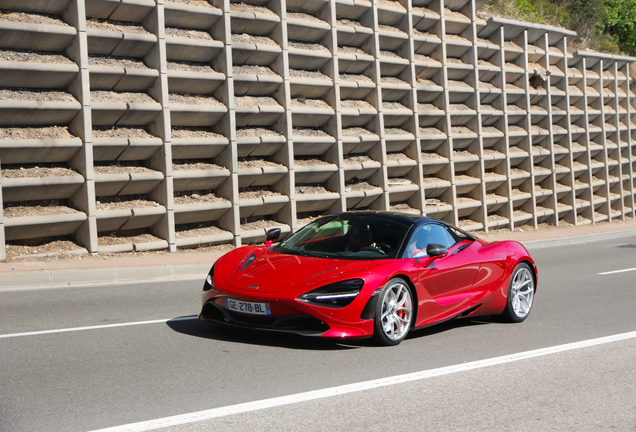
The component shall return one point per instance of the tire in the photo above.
(393, 312)
(520, 294)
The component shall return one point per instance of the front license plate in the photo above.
(248, 307)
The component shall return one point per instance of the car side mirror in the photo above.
(435, 250)
(272, 234)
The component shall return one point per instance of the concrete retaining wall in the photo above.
(196, 119)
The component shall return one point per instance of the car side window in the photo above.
(429, 233)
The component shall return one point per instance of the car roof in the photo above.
(405, 218)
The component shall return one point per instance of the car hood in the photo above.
(273, 272)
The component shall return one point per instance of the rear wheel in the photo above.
(520, 294)
(393, 312)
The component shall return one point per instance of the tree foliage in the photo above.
(604, 25)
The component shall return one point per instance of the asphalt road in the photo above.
(124, 355)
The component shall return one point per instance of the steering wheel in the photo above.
(384, 248)
(371, 249)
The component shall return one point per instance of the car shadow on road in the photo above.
(208, 330)
(194, 327)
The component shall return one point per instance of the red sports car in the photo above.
(368, 273)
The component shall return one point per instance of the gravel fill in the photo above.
(60, 247)
(244, 7)
(190, 67)
(249, 39)
(427, 82)
(110, 96)
(55, 132)
(33, 57)
(199, 232)
(195, 197)
(428, 107)
(356, 159)
(357, 131)
(349, 23)
(304, 16)
(361, 186)
(308, 46)
(194, 133)
(103, 60)
(429, 179)
(31, 18)
(195, 166)
(393, 106)
(515, 108)
(430, 131)
(452, 60)
(296, 73)
(120, 132)
(509, 45)
(117, 239)
(254, 193)
(120, 169)
(310, 133)
(390, 54)
(36, 95)
(513, 67)
(462, 154)
(36, 171)
(193, 100)
(313, 103)
(393, 80)
(390, 29)
(351, 50)
(396, 131)
(397, 157)
(427, 59)
(118, 26)
(432, 156)
(255, 101)
(355, 104)
(188, 34)
(402, 207)
(254, 132)
(202, 3)
(355, 78)
(253, 70)
(123, 202)
(311, 190)
(262, 224)
(12, 211)
(256, 163)
(457, 84)
(310, 162)
(487, 85)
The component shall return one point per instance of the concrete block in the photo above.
(42, 37)
(43, 226)
(305, 30)
(102, 41)
(199, 179)
(316, 202)
(111, 220)
(135, 45)
(36, 75)
(190, 16)
(198, 148)
(139, 114)
(196, 115)
(38, 150)
(144, 218)
(132, 10)
(39, 188)
(198, 50)
(194, 82)
(37, 113)
(203, 212)
(151, 246)
(100, 8)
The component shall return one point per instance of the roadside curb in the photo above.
(59, 278)
(96, 276)
(537, 244)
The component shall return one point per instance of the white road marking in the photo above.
(618, 271)
(105, 326)
(357, 387)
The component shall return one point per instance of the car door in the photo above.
(445, 282)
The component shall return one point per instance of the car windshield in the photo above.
(345, 236)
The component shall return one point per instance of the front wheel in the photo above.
(520, 294)
(393, 312)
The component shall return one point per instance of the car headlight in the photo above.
(207, 286)
(335, 295)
